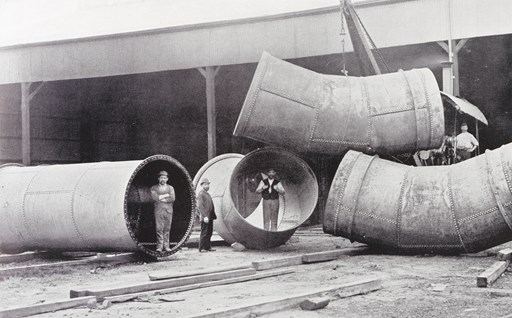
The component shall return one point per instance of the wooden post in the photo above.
(453, 48)
(209, 73)
(477, 137)
(25, 123)
(447, 77)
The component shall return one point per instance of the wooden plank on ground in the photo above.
(505, 254)
(262, 308)
(259, 275)
(331, 255)
(167, 275)
(22, 257)
(498, 292)
(492, 273)
(278, 262)
(129, 289)
(44, 307)
(115, 259)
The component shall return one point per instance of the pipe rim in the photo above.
(185, 237)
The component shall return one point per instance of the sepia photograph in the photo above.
(255, 158)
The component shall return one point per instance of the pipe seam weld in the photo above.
(366, 98)
(429, 108)
(396, 110)
(23, 209)
(282, 93)
(415, 107)
(80, 236)
(399, 208)
(342, 192)
(495, 190)
(482, 213)
(452, 211)
(253, 102)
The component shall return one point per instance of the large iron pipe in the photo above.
(104, 206)
(466, 207)
(234, 179)
(298, 109)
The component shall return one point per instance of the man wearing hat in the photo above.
(206, 212)
(466, 143)
(270, 190)
(163, 196)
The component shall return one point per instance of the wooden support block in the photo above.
(505, 255)
(123, 298)
(45, 307)
(161, 276)
(331, 255)
(278, 262)
(102, 293)
(314, 303)
(492, 273)
(280, 304)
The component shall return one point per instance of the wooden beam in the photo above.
(162, 276)
(36, 90)
(122, 298)
(331, 255)
(444, 46)
(141, 287)
(25, 124)
(505, 254)
(45, 307)
(279, 262)
(460, 45)
(202, 71)
(492, 273)
(25, 270)
(210, 111)
(362, 286)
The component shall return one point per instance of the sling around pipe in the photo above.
(103, 206)
(295, 108)
(461, 208)
(234, 178)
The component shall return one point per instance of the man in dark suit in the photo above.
(206, 213)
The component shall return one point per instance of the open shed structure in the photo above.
(85, 81)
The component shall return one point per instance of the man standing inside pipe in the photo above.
(206, 213)
(270, 190)
(163, 196)
(466, 143)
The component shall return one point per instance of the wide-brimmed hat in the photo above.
(204, 180)
(163, 173)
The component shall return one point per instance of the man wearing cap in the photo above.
(466, 143)
(206, 213)
(270, 190)
(163, 196)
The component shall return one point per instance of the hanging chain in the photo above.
(343, 34)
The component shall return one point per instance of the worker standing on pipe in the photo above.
(270, 190)
(206, 212)
(466, 143)
(163, 196)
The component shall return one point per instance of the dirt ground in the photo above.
(412, 286)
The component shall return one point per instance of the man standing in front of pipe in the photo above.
(163, 196)
(270, 190)
(206, 212)
(466, 143)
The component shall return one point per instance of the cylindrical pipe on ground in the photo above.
(103, 206)
(234, 179)
(299, 109)
(461, 208)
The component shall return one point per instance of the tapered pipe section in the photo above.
(298, 109)
(234, 179)
(104, 206)
(466, 207)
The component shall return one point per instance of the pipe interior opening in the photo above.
(298, 181)
(139, 212)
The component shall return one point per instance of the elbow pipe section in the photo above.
(234, 179)
(462, 208)
(301, 110)
(103, 206)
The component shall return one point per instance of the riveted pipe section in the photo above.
(234, 179)
(103, 206)
(299, 109)
(461, 208)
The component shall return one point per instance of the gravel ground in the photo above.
(412, 286)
